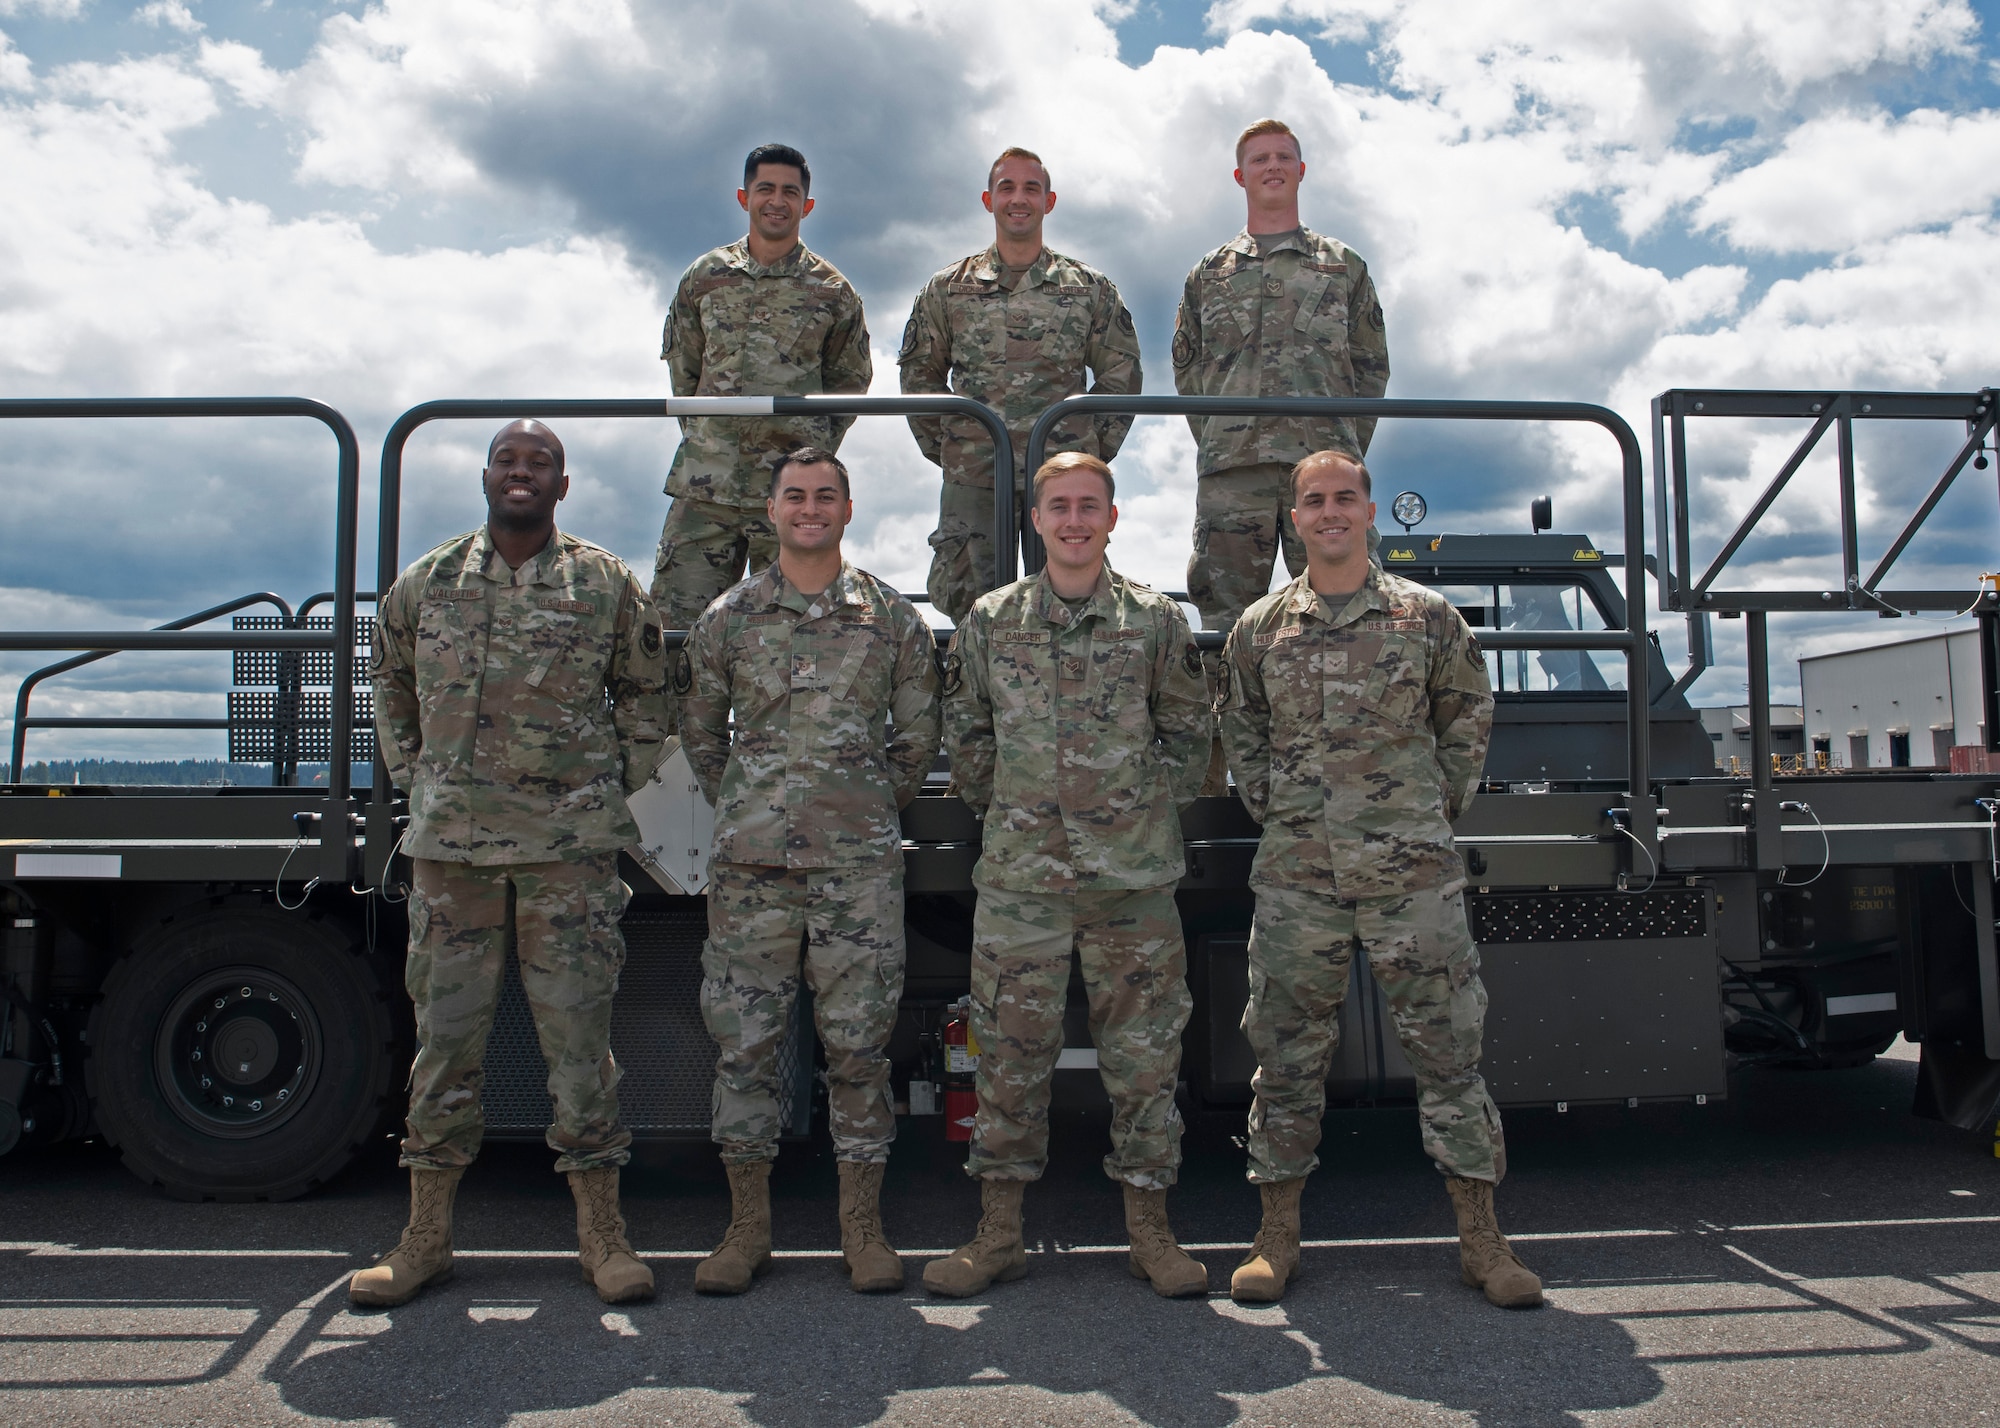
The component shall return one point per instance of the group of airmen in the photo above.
(524, 687)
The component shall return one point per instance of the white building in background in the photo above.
(1894, 705)
(1729, 730)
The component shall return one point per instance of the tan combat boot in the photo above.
(609, 1266)
(1486, 1261)
(423, 1255)
(745, 1251)
(1273, 1261)
(996, 1252)
(873, 1267)
(1156, 1256)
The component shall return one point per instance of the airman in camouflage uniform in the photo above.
(1277, 311)
(835, 693)
(764, 316)
(517, 677)
(1079, 729)
(1357, 722)
(1015, 327)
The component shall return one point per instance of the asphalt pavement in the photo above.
(1803, 1252)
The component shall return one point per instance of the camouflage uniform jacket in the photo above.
(1019, 352)
(836, 702)
(1301, 321)
(518, 707)
(1356, 735)
(741, 329)
(1079, 737)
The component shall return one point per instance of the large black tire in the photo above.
(242, 1053)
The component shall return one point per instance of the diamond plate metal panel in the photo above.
(657, 1034)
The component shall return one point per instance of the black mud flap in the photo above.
(1958, 1086)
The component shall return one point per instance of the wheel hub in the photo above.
(237, 1052)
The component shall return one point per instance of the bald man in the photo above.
(518, 676)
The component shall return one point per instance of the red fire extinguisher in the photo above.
(961, 1067)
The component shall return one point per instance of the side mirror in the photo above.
(1541, 514)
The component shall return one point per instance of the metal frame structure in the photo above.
(335, 850)
(1630, 640)
(390, 498)
(1696, 596)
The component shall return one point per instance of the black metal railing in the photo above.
(334, 845)
(1629, 640)
(388, 559)
(1837, 412)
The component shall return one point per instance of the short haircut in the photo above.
(1064, 462)
(1018, 153)
(809, 456)
(1267, 126)
(1319, 458)
(777, 154)
(534, 428)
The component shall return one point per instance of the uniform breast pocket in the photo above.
(1395, 692)
(1121, 695)
(575, 653)
(862, 674)
(446, 651)
(763, 671)
(1020, 689)
(1065, 332)
(801, 334)
(1322, 314)
(1223, 316)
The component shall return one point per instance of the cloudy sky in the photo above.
(378, 204)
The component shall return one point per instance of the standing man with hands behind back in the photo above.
(832, 677)
(1078, 732)
(1015, 327)
(764, 316)
(1356, 710)
(517, 675)
(1277, 311)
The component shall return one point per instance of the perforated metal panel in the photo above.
(1588, 917)
(657, 1035)
(266, 669)
(295, 726)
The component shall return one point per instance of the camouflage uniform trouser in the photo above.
(1135, 973)
(962, 547)
(851, 923)
(1242, 518)
(704, 549)
(1422, 955)
(562, 919)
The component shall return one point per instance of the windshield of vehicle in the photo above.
(1544, 606)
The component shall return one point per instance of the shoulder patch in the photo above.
(649, 638)
(1124, 319)
(1183, 345)
(954, 673)
(909, 339)
(1473, 652)
(1191, 659)
(680, 673)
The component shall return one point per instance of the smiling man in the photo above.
(832, 679)
(1078, 732)
(1277, 311)
(1016, 327)
(517, 677)
(1356, 709)
(764, 316)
